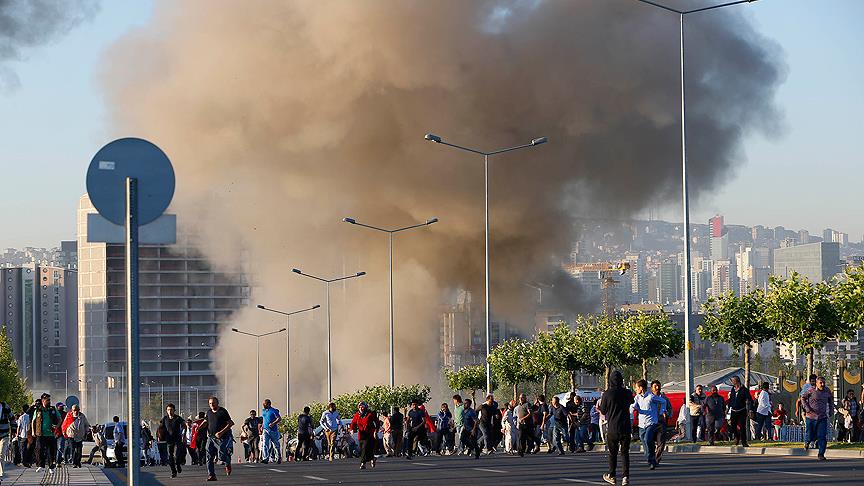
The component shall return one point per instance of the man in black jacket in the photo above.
(615, 406)
(740, 403)
(173, 426)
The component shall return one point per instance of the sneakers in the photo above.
(179, 469)
(652, 466)
(609, 479)
(211, 478)
(625, 481)
(822, 457)
(362, 465)
(228, 469)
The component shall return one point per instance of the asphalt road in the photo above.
(502, 469)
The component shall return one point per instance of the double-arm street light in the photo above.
(390, 233)
(258, 358)
(65, 376)
(688, 287)
(327, 282)
(288, 349)
(537, 141)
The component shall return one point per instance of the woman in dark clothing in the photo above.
(365, 423)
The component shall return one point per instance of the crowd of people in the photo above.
(45, 434)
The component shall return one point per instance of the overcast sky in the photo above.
(810, 178)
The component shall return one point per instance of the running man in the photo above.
(270, 419)
(219, 438)
(648, 406)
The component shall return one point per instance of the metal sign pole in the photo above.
(133, 428)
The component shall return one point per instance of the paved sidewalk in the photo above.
(85, 476)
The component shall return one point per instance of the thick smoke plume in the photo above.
(25, 24)
(284, 117)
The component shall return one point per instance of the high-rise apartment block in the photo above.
(184, 306)
(40, 317)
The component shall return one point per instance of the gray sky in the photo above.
(55, 121)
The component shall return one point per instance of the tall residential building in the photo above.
(723, 278)
(184, 305)
(816, 261)
(716, 226)
(753, 267)
(40, 316)
(720, 248)
(803, 237)
(828, 234)
(668, 276)
(638, 277)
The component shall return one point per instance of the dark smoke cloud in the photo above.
(284, 117)
(25, 24)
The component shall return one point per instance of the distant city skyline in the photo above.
(795, 180)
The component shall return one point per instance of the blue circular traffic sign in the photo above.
(135, 158)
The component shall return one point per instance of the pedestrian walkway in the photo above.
(85, 476)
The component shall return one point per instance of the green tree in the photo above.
(545, 356)
(737, 321)
(509, 362)
(602, 343)
(849, 296)
(805, 314)
(570, 353)
(467, 378)
(649, 337)
(13, 388)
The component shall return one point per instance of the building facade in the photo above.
(40, 318)
(816, 261)
(183, 306)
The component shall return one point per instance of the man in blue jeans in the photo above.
(270, 419)
(648, 405)
(818, 404)
(219, 438)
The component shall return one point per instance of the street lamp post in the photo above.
(258, 358)
(685, 197)
(288, 349)
(537, 141)
(327, 282)
(390, 233)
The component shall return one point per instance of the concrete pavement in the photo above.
(502, 469)
(85, 476)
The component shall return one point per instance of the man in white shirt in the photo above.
(23, 431)
(763, 411)
(331, 421)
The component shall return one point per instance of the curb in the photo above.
(754, 451)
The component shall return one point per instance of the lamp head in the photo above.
(297, 270)
(538, 141)
(360, 274)
(258, 306)
(283, 329)
(433, 138)
(235, 329)
(432, 221)
(349, 220)
(316, 306)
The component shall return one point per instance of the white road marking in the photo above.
(248, 465)
(489, 470)
(276, 470)
(664, 463)
(581, 481)
(422, 464)
(315, 478)
(795, 473)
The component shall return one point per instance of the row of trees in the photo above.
(13, 388)
(793, 310)
(596, 346)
